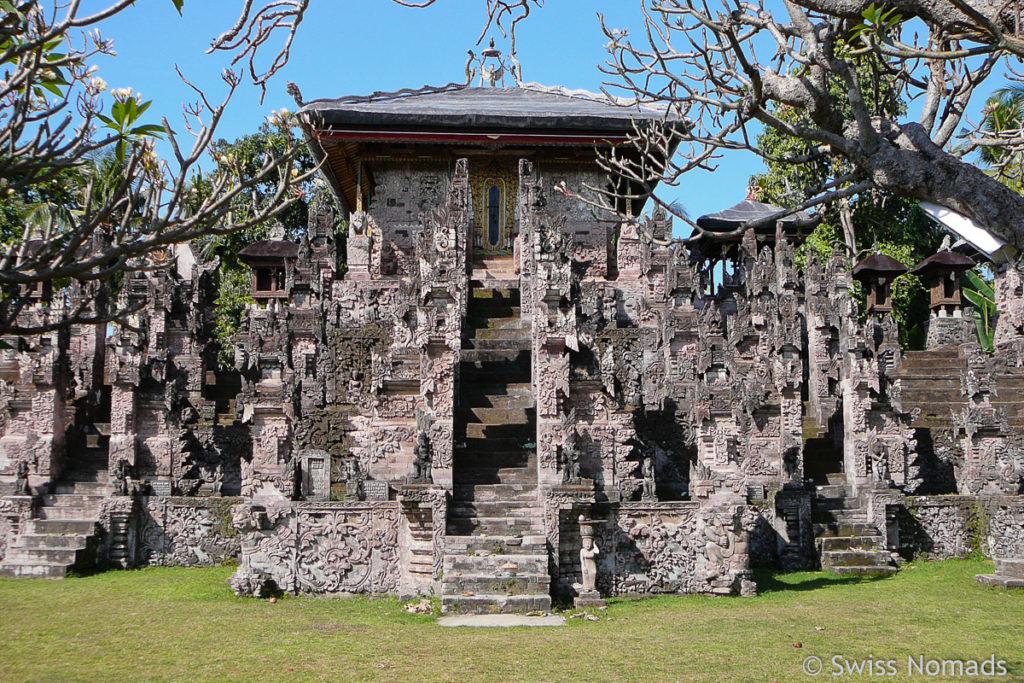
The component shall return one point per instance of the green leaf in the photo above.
(52, 87)
(150, 129)
(977, 300)
(178, 4)
(979, 284)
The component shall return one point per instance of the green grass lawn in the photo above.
(185, 624)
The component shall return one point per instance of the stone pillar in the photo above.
(269, 475)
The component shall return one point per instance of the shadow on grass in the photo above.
(771, 580)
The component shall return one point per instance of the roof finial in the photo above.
(492, 73)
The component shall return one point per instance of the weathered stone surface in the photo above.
(494, 361)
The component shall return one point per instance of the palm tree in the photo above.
(1004, 116)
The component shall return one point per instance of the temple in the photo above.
(483, 373)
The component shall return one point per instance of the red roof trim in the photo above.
(472, 137)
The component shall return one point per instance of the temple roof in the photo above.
(269, 250)
(945, 260)
(746, 211)
(526, 107)
(878, 264)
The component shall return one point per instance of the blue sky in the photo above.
(347, 47)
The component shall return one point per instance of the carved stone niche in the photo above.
(315, 476)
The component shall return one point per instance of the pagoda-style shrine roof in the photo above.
(748, 211)
(269, 250)
(945, 261)
(527, 108)
(878, 264)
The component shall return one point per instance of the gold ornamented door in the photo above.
(494, 209)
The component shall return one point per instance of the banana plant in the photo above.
(982, 297)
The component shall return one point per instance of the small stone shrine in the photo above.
(429, 401)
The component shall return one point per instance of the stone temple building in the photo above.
(428, 401)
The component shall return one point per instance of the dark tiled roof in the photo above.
(269, 249)
(529, 106)
(746, 211)
(878, 264)
(943, 260)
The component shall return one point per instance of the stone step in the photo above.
(831, 490)
(518, 343)
(494, 372)
(57, 556)
(494, 492)
(96, 476)
(66, 541)
(491, 307)
(508, 294)
(515, 435)
(74, 500)
(492, 603)
(493, 398)
(534, 545)
(832, 529)
(854, 558)
(867, 570)
(1010, 567)
(836, 504)
(69, 512)
(507, 584)
(35, 570)
(495, 508)
(942, 355)
(494, 526)
(501, 563)
(498, 416)
(83, 527)
(496, 475)
(518, 333)
(521, 358)
(832, 543)
(492, 287)
(838, 516)
(913, 381)
(509, 321)
(83, 487)
(492, 444)
(511, 459)
(999, 581)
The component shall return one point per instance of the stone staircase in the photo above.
(847, 543)
(1009, 574)
(931, 382)
(495, 551)
(62, 534)
(822, 460)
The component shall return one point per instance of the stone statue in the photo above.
(423, 458)
(587, 590)
(588, 563)
(880, 463)
(353, 479)
(120, 478)
(570, 459)
(21, 479)
(648, 472)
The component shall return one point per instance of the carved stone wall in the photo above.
(957, 526)
(14, 512)
(186, 532)
(322, 548)
(677, 548)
